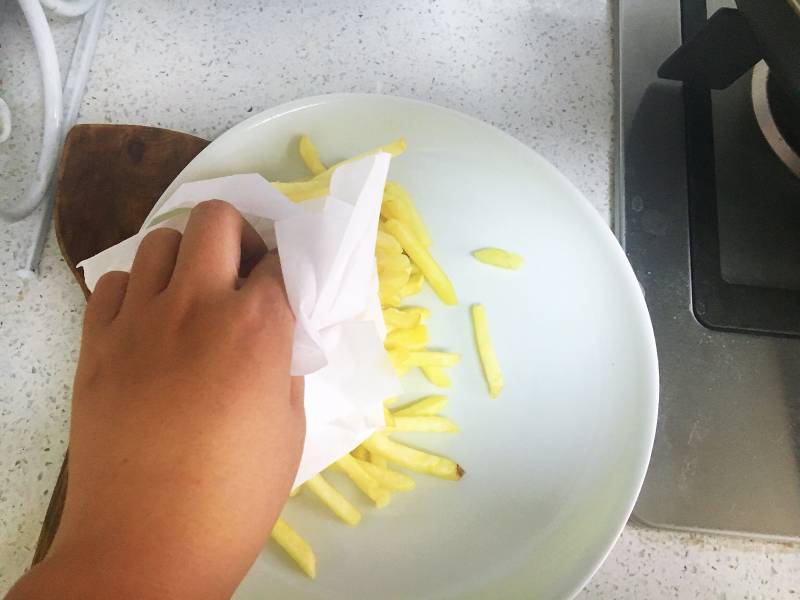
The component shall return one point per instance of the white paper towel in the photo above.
(327, 257)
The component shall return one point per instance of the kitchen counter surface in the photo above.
(542, 71)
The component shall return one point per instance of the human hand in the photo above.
(187, 428)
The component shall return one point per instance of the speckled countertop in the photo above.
(540, 70)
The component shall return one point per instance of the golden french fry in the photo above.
(317, 186)
(413, 459)
(432, 424)
(300, 191)
(437, 376)
(432, 359)
(340, 505)
(388, 478)
(378, 461)
(310, 156)
(388, 418)
(360, 452)
(296, 547)
(433, 273)
(389, 299)
(414, 283)
(393, 262)
(386, 242)
(364, 481)
(424, 313)
(489, 362)
(498, 258)
(394, 190)
(427, 406)
(411, 339)
(400, 319)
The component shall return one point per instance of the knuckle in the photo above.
(214, 209)
(160, 236)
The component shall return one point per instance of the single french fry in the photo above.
(413, 459)
(432, 359)
(300, 191)
(388, 418)
(364, 481)
(394, 262)
(414, 283)
(424, 313)
(340, 505)
(386, 242)
(498, 258)
(437, 376)
(432, 424)
(318, 186)
(310, 156)
(388, 478)
(427, 406)
(411, 339)
(433, 273)
(389, 299)
(396, 191)
(489, 362)
(295, 546)
(360, 452)
(395, 318)
(378, 461)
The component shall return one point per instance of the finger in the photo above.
(210, 251)
(153, 265)
(265, 277)
(106, 299)
(253, 249)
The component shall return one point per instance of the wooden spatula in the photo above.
(109, 178)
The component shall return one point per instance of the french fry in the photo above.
(388, 263)
(394, 190)
(432, 424)
(395, 318)
(489, 362)
(364, 481)
(295, 546)
(437, 376)
(317, 186)
(360, 452)
(340, 505)
(386, 242)
(413, 459)
(389, 298)
(427, 406)
(424, 313)
(388, 478)
(378, 461)
(433, 273)
(432, 359)
(411, 339)
(388, 418)
(310, 156)
(300, 191)
(414, 283)
(498, 258)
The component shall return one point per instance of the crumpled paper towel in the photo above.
(327, 252)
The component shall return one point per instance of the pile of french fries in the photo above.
(404, 265)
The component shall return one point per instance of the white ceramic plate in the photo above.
(553, 466)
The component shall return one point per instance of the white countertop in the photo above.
(541, 71)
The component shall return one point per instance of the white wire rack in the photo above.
(61, 104)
